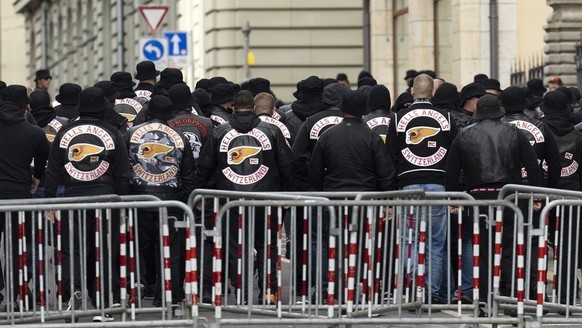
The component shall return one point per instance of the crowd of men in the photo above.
(161, 138)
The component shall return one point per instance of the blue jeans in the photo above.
(435, 246)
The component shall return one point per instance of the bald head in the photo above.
(264, 104)
(422, 86)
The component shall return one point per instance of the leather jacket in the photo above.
(378, 121)
(88, 152)
(160, 161)
(253, 158)
(195, 128)
(419, 138)
(491, 154)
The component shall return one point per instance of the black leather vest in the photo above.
(570, 148)
(155, 156)
(88, 149)
(491, 153)
(533, 129)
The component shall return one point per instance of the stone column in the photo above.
(421, 34)
(382, 59)
(562, 34)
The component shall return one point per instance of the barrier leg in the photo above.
(41, 266)
(122, 262)
(132, 280)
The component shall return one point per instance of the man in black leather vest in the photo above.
(569, 141)
(247, 154)
(490, 154)
(162, 165)
(89, 157)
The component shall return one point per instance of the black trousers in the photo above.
(485, 256)
(257, 225)
(86, 235)
(14, 244)
(149, 248)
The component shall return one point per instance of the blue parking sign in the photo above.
(177, 43)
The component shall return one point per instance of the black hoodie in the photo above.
(569, 143)
(43, 115)
(300, 110)
(244, 122)
(21, 143)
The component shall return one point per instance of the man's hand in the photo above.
(51, 215)
(35, 183)
(455, 209)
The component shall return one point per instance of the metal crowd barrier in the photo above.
(366, 273)
(556, 226)
(35, 252)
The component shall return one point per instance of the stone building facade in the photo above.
(87, 40)
(84, 40)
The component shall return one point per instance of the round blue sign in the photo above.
(153, 50)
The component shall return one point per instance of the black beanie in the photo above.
(39, 98)
(566, 91)
(555, 103)
(514, 99)
(379, 98)
(354, 103)
(446, 97)
(160, 107)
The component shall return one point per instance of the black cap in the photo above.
(312, 86)
(146, 70)
(170, 77)
(471, 90)
(181, 97)
(42, 74)
(39, 98)
(69, 94)
(222, 93)
(404, 100)
(258, 85)
(514, 99)
(160, 107)
(216, 80)
(537, 87)
(122, 80)
(488, 107)
(492, 84)
(367, 81)
(480, 78)
(92, 100)
(555, 103)
(202, 84)
(354, 103)
(341, 77)
(410, 74)
(16, 94)
(108, 90)
(333, 94)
